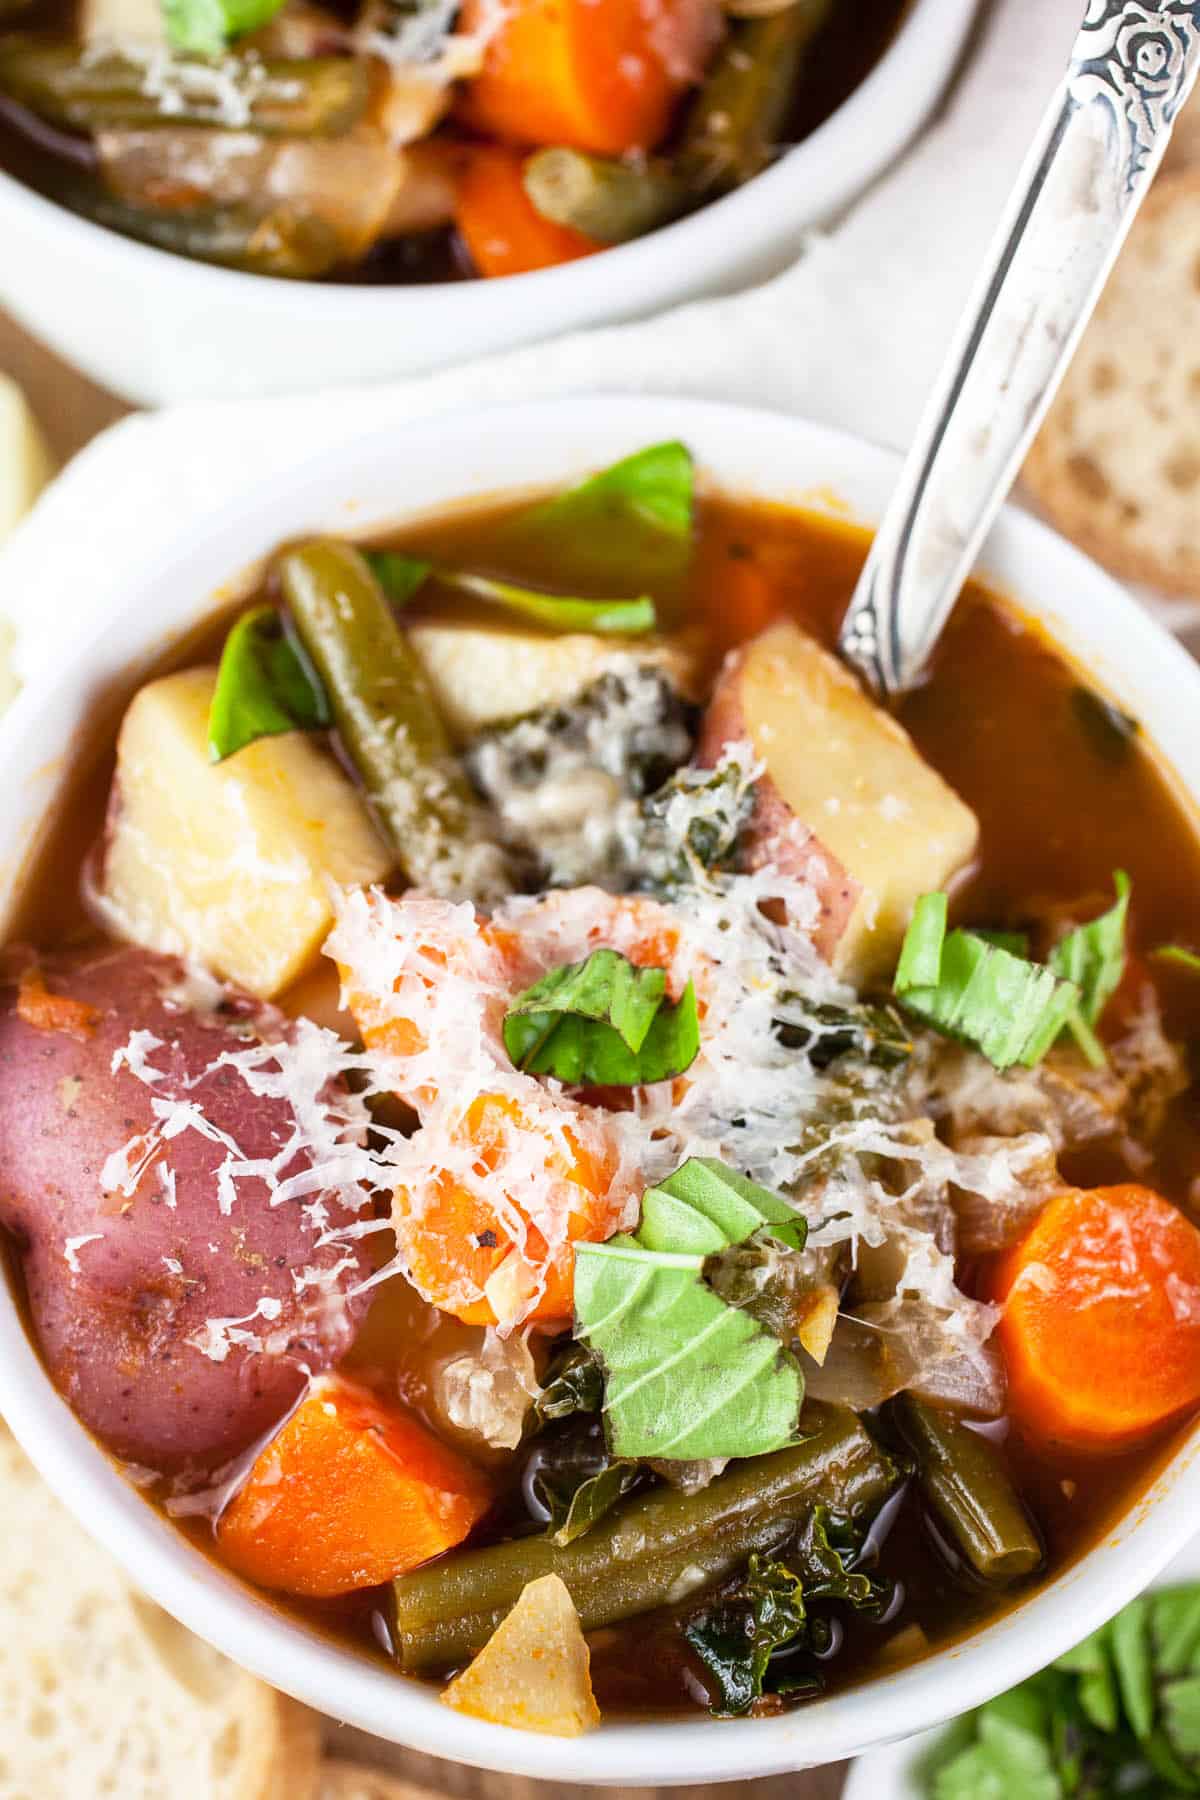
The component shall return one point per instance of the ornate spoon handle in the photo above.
(1099, 145)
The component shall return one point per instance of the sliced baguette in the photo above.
(103, 1697)
(1117, 463)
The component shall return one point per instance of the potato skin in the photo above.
(117, 1316)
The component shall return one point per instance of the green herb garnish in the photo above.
(265, 686)
(1118, 1715)
(205, 27)
(686, 1376)
(634, 517)
(603, 1023)
(1178, 954)
(973, 990)
(1093, 957)
(402, 577)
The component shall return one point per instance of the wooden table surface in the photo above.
(72, 410)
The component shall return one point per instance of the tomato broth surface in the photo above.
(1066, 790)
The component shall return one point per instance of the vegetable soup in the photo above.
(414, 140)
(536, 1115)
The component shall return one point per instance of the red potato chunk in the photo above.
(178, 1310)
(845, 801)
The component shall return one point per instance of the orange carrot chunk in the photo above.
(45, 1011)
(600, 75)
(349, 1493)
(1101, 1323)
(502, 228)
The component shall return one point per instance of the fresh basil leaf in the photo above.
(574, 1384)
(1009, 1009)
(633, 520)
(735, 1638)
(1093, 955)
(686, 1377)
(265, 686)
(1015, 942)
(1176, 953)
(205, 27)
(705, 1207)
(604, 1023)
(920, 963)
(398, 574)
(560, 612)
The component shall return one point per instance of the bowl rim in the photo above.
(828, 166)
(1127, 651)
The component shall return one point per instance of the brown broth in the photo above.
(1060, 807)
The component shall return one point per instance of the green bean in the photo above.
(652, 1551)
(387, 718)
(734, 125)
(283, 242)
(86, 90)
(964, 1481)
(608, 200)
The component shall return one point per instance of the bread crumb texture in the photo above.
(102, 1694)
(1117, 463)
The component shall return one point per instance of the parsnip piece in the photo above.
(25, 462)
(122, 22)
(848, 772)
(533, 1672)
(481, 677)
(228, 863)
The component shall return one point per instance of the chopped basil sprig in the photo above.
(980, 988)
(603, 1023)
(685, 1375)
(402, 576)
(265, 686)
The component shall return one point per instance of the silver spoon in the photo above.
(1132, 67)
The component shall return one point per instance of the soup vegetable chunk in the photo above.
(538, 1118)
(398, 140)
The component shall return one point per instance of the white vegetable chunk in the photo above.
(847, 799)
(482, 677)
(534, 1671)
(228, 863)
(122, 22)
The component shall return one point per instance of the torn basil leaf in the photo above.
(206, 27)
(1180, 955)
(1007, 1008)
(265, 686)
(560, 612)
(735, 1637)
(1093, 955)
(398, 574)
(603, 1023)
(706, 1206)
(632, 521)
(687, 1377)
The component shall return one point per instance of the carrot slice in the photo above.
(475, 1249)
(502, 228)
(349, 1493)
(45, 1011)
(1101, 1323)
(599, 75)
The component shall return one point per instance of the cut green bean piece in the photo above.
(654, 1550)
(736, 122)
(966, 1484)
(608, 200)
(387, 719)
(85, 90)
(284, 242)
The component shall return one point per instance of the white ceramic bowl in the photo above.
(158, 328)
(355, 489)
